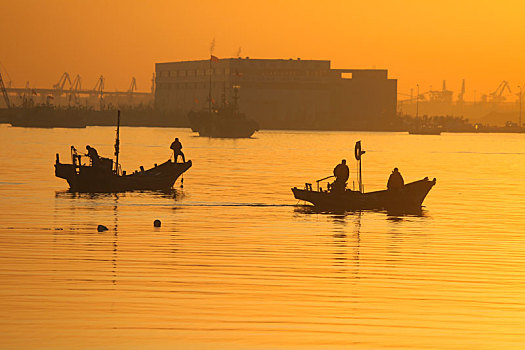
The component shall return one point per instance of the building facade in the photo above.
(288, 94)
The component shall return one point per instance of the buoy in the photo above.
(101, 228)
(156, 223)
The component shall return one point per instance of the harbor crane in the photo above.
(99, 87)
(462, 93)
(76, 86)
(133, 86)
(59, 86)
(4, 92)
(442, 95)
(497, 95)
(99, 90)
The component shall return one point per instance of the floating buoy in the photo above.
(101, 228)
(156, 223)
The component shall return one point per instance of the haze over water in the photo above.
(238, 265)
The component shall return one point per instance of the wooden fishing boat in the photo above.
(408, 197)
(411, 196)
(225, 121)
(107, 176)
(89, 178)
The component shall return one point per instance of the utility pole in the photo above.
(417, 101)
(521, 89)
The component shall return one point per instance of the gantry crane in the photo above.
(497, 95)
(462, 93)
(59, 86)
(133, 86)
(4, 92)
(76, 86)
(99, 87)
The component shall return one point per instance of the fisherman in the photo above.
(93, 154)
(341, 173)
(395, 181)
(176, 146)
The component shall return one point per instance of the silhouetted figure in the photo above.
(176, 146)
(93, 154)
(395, 181)
(341, 173)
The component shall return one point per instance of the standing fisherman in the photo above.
(176, 146)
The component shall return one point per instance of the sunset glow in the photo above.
(418, 42)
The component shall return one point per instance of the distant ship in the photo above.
(427, 130)
(223, 122)
(45, 116)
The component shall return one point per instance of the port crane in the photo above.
(76, 86)
(99, 87)
(4, 92)
(462, 92)
(59, 86)
(497, 95)
(133, 86)
(442, 95)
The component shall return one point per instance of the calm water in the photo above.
(238, 265)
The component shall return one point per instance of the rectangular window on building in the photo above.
(346, 75)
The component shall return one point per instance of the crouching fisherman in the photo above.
(93, 155)
(341, 173)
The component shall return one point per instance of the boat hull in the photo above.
(93, 179)
(48, 117)
(410, 197)
(222, 125)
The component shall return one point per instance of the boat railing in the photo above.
(324, 178)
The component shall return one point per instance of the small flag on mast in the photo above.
(214, 59)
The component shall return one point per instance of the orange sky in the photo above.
(417, 41)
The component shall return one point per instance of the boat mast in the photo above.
(117, 143)
(209, 89)
(358, 153)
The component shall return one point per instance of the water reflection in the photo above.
(347, 240)
(391, 214)
(173, 193)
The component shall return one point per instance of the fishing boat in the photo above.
(107, 175)
(407, 198)
(411, 196)
(425, 130)
(47, 116)
(225, 121)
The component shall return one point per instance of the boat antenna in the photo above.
(209, 89)
(117, 142)
(358, 152)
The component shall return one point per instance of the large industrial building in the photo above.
(279, 93)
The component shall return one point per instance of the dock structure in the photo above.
(70, 91)
(281, 93)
